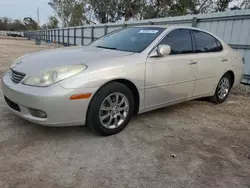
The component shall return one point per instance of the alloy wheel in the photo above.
(114, 110)
(224, 88)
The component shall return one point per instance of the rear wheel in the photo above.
(223, 89)
(110, 109)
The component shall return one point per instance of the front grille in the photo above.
(16, 76)
(12, 105)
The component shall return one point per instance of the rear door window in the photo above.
(205, 42)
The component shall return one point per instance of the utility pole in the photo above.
(38, 17)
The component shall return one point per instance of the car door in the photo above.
(171, 78)
(210, 59)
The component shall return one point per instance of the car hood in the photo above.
(48, 59)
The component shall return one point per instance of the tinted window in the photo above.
(134, 39)
(179, 41)
(219, 45)
(205, 42)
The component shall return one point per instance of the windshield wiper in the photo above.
(104, 47)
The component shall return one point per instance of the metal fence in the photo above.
(233, 27)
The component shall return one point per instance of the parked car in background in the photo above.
(14, 34)
(129, 71)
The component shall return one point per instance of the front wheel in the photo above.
(111, 109)
(223, 89)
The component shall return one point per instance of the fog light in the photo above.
(37, 113)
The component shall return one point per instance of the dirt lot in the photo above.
(211, 144)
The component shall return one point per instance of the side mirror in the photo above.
(161, 50)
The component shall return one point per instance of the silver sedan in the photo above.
(129, 71)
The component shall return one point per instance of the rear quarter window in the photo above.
(205, 42)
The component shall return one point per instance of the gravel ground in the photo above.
(241, 89)
(209, 144)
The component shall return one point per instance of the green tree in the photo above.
(53, 23)
(130, 9)
(70, 12)
(63, 9)
(79, 12)
(106, 10)
(222, 5)
(78, 17)
(30, 24)
(154, 9)
(164, 8)
(4, 23)
(183, 7)
(245, 4)
(13, 25)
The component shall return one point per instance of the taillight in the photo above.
(243, 60)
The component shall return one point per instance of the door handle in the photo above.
(224, 60)
(193, 63)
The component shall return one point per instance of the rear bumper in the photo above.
(239, 75)
(53, 100)
(246, 79)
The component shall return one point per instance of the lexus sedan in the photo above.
(129, 71)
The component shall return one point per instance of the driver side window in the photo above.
(180, 41)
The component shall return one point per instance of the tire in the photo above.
(218, 97)
(103, 104)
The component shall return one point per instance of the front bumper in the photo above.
(53, 100)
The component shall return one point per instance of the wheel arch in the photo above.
(215, 98)
(132, 88)
(232, 75)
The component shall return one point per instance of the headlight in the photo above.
(55, 75)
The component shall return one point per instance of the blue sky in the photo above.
(18, 9)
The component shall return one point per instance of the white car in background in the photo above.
(129, 71)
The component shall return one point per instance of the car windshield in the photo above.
(134, 39)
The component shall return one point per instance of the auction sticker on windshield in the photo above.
(148, 31)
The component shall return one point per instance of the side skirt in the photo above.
(141, 111)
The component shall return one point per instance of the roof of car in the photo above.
(167, 26)
(176, 27)
(180, 27)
